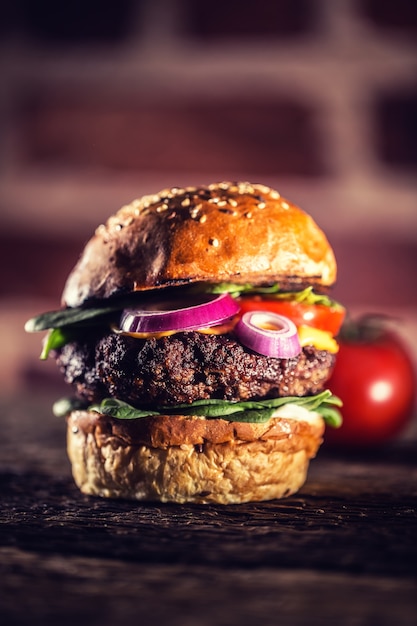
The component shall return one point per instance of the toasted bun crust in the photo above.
(190, 459)
(235, 232)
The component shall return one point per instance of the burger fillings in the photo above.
(197, 335)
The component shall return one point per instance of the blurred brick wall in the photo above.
(102, 102)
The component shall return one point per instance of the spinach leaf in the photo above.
(81, 316)
(252, 411)
(305, 296)
(120, 410)
(67, 317)
(55, 339)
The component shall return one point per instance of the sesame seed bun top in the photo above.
(233, 232)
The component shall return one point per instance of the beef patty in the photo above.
(185, 367)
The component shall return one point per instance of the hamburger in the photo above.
(196, 334)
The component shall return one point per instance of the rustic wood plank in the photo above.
(355, 514)
(55, 589)
(372, 533)
(342, 551)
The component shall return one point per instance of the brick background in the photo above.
(275, 136)
(250, 19)
(70, 23)
(392, 17)
(396, 128)
(103, 103)
(41, 265)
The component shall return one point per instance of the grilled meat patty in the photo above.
(185, 367)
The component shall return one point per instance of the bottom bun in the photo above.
(219, 462)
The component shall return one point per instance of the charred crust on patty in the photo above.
(186, 367)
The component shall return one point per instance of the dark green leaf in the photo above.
(254, 416)
(66, 317)
(305, 296)
(120, 410)
(252, 411)
(101, 312)
(331, 416)
(55, 339)
(81, 316)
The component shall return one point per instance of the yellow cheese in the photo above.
(320, 339)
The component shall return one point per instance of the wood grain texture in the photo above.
(69, 590)
(342, 550)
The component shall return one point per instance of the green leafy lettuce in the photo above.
(305, 296)
(65, 325)
(259, 411)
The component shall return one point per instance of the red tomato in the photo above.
(319, 316)
(375, 379)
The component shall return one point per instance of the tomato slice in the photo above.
(328, 318)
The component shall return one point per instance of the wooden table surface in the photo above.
(343, 551)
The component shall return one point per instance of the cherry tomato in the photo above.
(328, 318)
(375, 379)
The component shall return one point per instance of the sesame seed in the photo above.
(248, 214)
(261, 205)
(195, 210)
(214, 242)
(186, 202)
(263, 189)
(285, 205)
(203, 219)
(274, 194)
(246, 188)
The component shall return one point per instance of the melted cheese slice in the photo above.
(320, 339)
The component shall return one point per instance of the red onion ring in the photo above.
(210, 311)
(269, 334)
